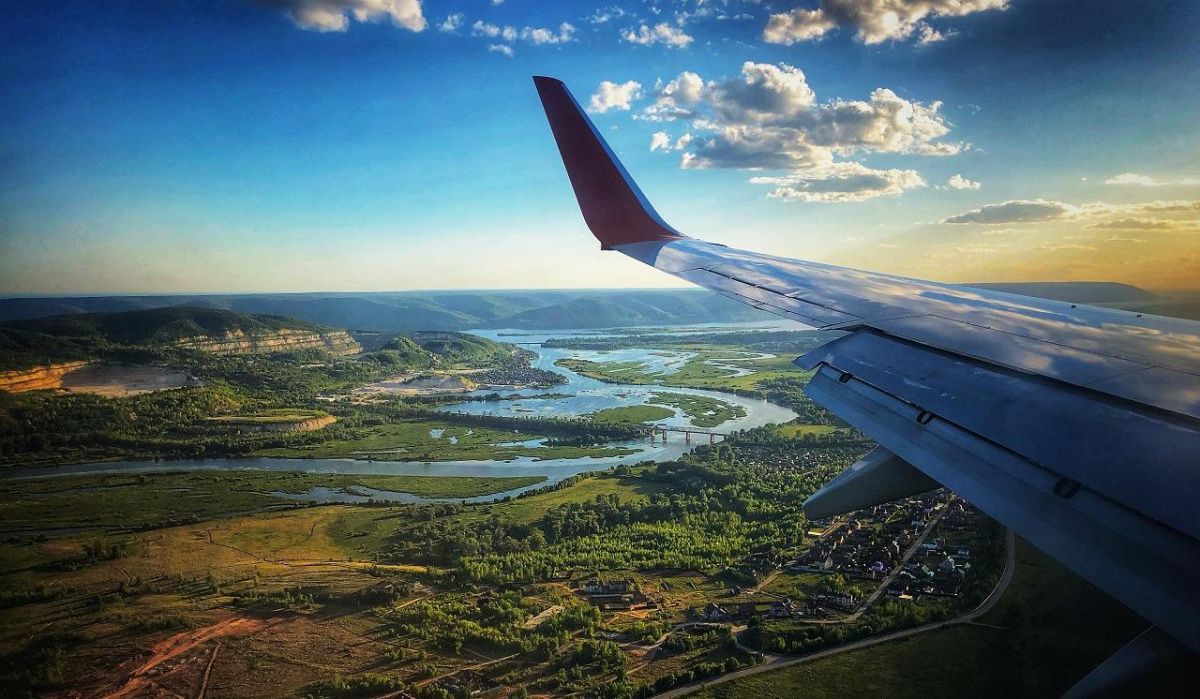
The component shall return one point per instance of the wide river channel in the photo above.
(580, 395)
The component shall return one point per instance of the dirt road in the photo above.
(140, 679)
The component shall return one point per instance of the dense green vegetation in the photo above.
(773, 378)
(27, 343)
(432, 439)
(441, 598)
(130, 501)
(447, 595)
(43, 428)
(1047, 632)
(632, 414)
(703, 411)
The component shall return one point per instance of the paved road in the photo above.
(776, 663)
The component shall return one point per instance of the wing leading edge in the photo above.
(1076, 426)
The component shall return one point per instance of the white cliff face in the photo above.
(48, 376)
(238, 342)
(51, 375)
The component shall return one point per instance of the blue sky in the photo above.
(298, 145)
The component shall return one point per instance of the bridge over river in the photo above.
(687, 432)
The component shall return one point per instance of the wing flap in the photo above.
(1049, 424)
(1146, 565)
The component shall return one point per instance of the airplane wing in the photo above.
(1076, 426)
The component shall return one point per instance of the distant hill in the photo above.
(83, 336)
(395, 312)
(640, 308)
(445, 310)
(158, 325)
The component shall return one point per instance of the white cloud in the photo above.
(928, 35)
(501, 48)
(661, 33)
(548, 36)
(1041, 210)
(1133, 178)
(533, 35)
(875, 21)
(841, 182)
(610, 95)
(451, 23)
(604, 15)
(676, 98)
(1015, 211)
(769, 117)
(661, 141)
(335, 15)
(797, 25)
(957, 181)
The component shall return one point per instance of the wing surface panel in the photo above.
(1081, 345)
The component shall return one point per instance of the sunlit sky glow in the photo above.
(311, 145)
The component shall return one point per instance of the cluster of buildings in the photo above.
(937, 569)
(615, 595)
(869, 547)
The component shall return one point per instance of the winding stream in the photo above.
(579, 396)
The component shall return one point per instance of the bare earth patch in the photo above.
(115, 381)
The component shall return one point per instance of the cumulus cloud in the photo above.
(1015, 211)
(335, 15)
(661, 141)
(957, 181)
(874, 21)
(769, 117)
(612, 95)
(797, 25)
(841, 182)
(676, 98)
(1042, 210)
(1139, 180)
(661, 33)
(451, 23)
(502, 49)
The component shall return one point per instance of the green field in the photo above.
(703, 411)
(270, 417)
(798, 429)
(134, 500)
(696, 372)
(432, 440)
(630, 414)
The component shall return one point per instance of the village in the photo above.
(909, 550)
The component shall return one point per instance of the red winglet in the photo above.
(614, 208)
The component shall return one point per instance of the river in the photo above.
(580, 395)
